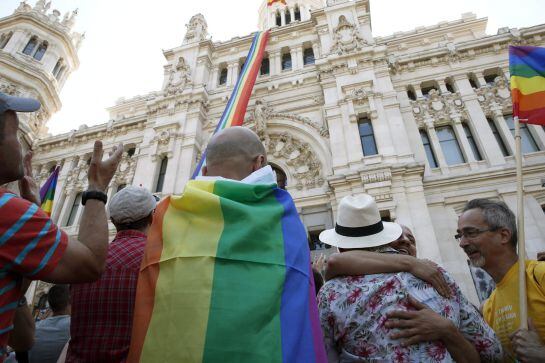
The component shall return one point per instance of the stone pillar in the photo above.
(480, 78)
(436, 146)
(214, 78)
(316, 50)
(418, 91)
(442, 86)
(232, 75)
(292, 14)
(296, 58)
(283, 16)
(504, 131)
(275, 62)
(464, 143)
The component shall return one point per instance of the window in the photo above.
(426, 87)
(278, 18)
(131, 152)
(74, 210)
(528, 143)
(473, 81)
(489, 79)
(4, 39)
(308, 56)
(472, 143)
(367, 137)
(29, 48)
(161, 176)
(286, 61)
(41, 51)
(265, 66)
(297, 13)
(223, 77)
(490, 75)
(411, 93)
(449, 145)
(288, 16)
(449, 84)
(57, 68)
(429, 151)
(498, 138)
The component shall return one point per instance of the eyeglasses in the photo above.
(472, 233)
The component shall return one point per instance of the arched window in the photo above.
(449, 145)
(57, 68)
(490, 75)
(278, 18)
(411, 93)
(4, 39)
(308, 56)
(29, 48)
(426, 87)
(450, 85)
(286, 61)
(428, 149)
(473, 80)
(41, 51)
(498, 137)
(161, 175)
(265, 66)
(288, 17)
(223, 76)
(297, 13)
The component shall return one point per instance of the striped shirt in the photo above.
(31, 245)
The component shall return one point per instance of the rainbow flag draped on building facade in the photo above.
(234, 112)
(47, 192)
(226, 277)
(527, 68)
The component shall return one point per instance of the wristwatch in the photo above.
(93, 194)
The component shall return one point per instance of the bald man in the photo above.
(242, 323)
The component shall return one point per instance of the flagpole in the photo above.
(523, 304)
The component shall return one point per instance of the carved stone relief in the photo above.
(197, 29)
(495, 98)
(346, 38)
(439, 108)
(179, 77)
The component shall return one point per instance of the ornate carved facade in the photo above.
(418, 119)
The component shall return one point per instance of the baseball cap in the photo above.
(18, 104)
(131, 204)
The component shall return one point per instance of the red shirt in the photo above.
(31, 245)
(102, 311)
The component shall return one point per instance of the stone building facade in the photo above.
(419, 119)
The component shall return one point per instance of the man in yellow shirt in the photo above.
(487, 232)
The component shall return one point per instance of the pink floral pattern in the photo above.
(353, 312)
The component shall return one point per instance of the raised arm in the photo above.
(368, 263)
(84, 258)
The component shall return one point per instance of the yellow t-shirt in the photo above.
(501, 310)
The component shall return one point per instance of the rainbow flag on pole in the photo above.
(527, 68)
(47, 191)
(226, 277)
(234, 112)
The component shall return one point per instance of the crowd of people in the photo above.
(378, 303)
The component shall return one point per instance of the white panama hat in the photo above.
(359, 225)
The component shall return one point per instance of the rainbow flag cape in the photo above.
(527, 68)
(234, 112)
(270, 2)
(47, 191)
(226, 277)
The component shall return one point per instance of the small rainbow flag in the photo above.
(234, 112)
(47, 191)
(271, 2)
(527, 68)
(226, 277)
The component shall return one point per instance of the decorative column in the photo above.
(232, 74)
(464, 143)
(296, 63)
(292, 14)
(283, 16)
(442, 86)
(480, 78)
(436, 146)
(418, 91)
(275, 62)
(504, 131)
(316, 50)
(214, 78)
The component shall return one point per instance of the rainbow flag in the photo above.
(271, 2)
(527, 68)
(47, 191)
(226, 277)
(234, 112)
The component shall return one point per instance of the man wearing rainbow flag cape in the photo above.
(226, 274)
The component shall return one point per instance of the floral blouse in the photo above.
(353, 312)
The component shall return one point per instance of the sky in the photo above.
(122, 56)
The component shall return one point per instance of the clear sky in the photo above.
(121, 55)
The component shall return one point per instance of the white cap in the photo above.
(131, 204)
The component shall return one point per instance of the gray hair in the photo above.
(497, 215)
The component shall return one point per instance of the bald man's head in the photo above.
(234, 153)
